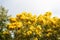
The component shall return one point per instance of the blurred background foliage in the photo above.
(26, 26)
(3, 24)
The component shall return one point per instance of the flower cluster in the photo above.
(31, 27)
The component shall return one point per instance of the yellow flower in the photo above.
(12, 19)
(12, 27)
(29, 14)
(54, 22)
(39, 27)
(18, 15)
(29, 22)
(37, 31)
(48, 34)
(42, 21)
(5, 32)
(48, 14)
(29, 32)
(49, 30)
(13, 24)
(19, 24)
(32, 28)
(40, 16)
(23, 17)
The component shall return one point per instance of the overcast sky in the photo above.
(34, 6)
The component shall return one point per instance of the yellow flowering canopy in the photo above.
(31, 27)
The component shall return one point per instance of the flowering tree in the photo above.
(26, 26)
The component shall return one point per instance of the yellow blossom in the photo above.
(29, 14)
(32, 28)
(29, 32)
(42, 21)
(38, 31)
(18, 15)
(6, 32)
(48, 34)
(49, 30)
(12, 19)
(48, 14)
(13, 24)
(11, 27)
(19, 24)
(39, 27)
(54, 22)
(29, 22)
(23, 17)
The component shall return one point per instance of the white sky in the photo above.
(34, 6)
